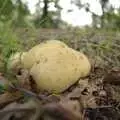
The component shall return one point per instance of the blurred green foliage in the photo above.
(6, 10)
(9, 44)
(15, 11)
(46, 18)
(19, 13)
(94, 41)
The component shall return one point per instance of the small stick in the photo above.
(5, 112)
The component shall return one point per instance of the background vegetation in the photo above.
(20, 30)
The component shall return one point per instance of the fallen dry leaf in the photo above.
(112, 77)
(60, 112)
(18, 111)
(8, 97)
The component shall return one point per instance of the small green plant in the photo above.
(9, 44)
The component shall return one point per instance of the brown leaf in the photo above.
(18, 111)
(60, 112)
(8, 97)
(113, 77)
(73, 106)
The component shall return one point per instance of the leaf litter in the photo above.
(95, 97)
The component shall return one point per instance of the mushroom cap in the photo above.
(58, 68)
(53, 65)
(34, 54)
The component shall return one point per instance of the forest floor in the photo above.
(95, 97)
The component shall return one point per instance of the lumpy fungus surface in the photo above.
(55, 66)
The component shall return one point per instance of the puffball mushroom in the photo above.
(34, 54)
(55, 67)
(60, 69)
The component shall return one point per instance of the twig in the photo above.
(13, 110)
(28, 93)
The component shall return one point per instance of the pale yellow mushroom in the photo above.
(34, 53)
(58, 68)
(54, 66)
